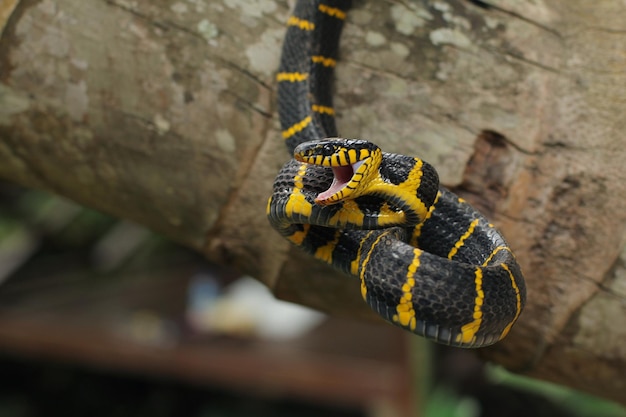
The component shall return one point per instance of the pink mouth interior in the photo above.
(343, 175)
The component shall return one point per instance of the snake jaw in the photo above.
(352, 162)
(343, 184)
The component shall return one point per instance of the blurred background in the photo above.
(101, 317)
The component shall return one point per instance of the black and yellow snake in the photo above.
(427, 261)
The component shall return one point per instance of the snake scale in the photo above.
(427, 261)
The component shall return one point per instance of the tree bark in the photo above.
(163, 112)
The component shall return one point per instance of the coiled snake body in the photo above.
(427, 261)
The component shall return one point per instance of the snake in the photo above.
(427, 261)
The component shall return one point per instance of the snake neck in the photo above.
(407, 184)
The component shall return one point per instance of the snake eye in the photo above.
(328, 150)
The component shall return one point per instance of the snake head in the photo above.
(352, 161)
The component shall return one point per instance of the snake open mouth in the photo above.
(343, 176)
